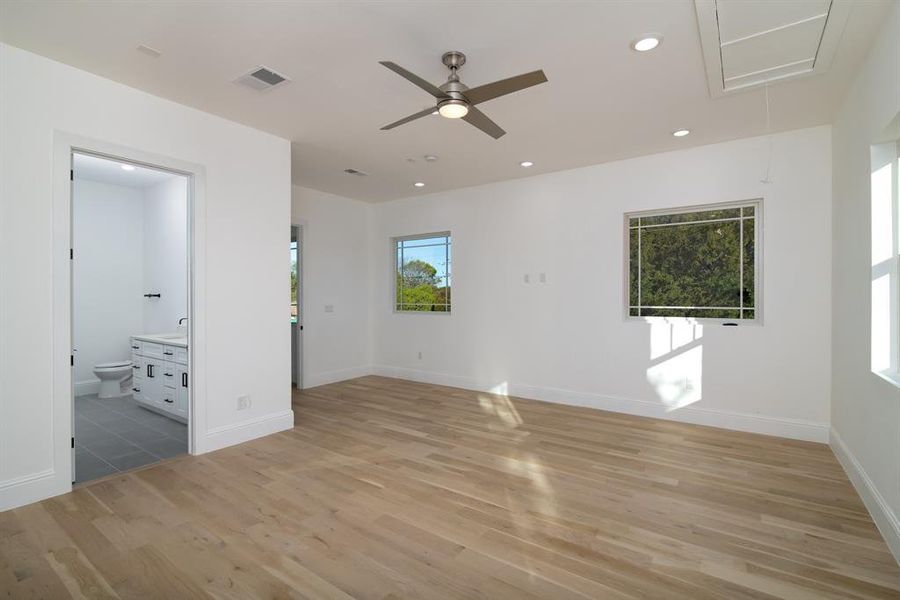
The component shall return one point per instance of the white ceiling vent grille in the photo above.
(261, 79)
(749, 44)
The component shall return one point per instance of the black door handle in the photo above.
(184, 379)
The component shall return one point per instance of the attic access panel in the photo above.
(747, 44)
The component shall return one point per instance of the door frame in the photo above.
(298, 333)
(62, 369)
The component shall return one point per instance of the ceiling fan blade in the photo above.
(481, 121)
(411, 117)
(489, 91)
(415, 79)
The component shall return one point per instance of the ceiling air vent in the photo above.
(261, 79)
(355, 172)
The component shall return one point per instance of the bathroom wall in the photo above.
(107, 287)
(165, 255)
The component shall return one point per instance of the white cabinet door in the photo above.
(181, 391)
(152, 389)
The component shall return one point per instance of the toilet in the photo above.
(111, 376)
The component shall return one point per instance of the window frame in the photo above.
(756, 203)
(394, 272)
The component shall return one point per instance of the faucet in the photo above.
(182, 320)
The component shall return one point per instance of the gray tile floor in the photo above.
(115, 434)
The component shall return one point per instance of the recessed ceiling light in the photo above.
(419, 184)
(526, 163)
(128, 167)
(681, 132)
(646, 42)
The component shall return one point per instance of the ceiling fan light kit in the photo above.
(455, 100)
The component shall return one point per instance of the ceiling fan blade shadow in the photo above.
(414, 79)
(489, 91)
(411, 117)
(481, 121)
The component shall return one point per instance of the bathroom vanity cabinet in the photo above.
(160, 364)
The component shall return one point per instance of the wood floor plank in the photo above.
(390, 489)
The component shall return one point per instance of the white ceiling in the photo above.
(603, 101)
(104, 170)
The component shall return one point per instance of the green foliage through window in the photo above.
(699, 264)
(423, 273)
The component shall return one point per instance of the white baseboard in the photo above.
(885, 519)
(327, 377)
(83, 388)
(31, 488)
(779, 426)
(239, 433)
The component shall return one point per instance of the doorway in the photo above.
(130, 300)
(296, 307)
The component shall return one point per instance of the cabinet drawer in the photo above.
(151, 350)
(170, 374)
(181, 355)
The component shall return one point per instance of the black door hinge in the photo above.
(73, 441)
(72, 360)
(71, 174)
(301, 328)
(71, 254)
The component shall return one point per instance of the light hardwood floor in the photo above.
(390, 489)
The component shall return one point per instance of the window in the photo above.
(700, 262)
(885, 290)
(422, 273)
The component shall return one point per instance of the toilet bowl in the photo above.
(111, 376)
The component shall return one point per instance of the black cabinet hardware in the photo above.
(184, 380)
(135, 367)
(150, 371)
(167, 374)
(167, 400)
(138, 390)
(152, 295)
(135, 347)
(168, 353)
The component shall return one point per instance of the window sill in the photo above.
(890, 376)
(696, 321)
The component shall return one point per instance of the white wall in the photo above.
(566, 340)
(241, 345)
(865, 410)
(335, 272)
(107, 283)
(165, 255)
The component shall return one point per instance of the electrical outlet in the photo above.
(243, 402)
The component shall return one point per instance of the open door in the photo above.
(296, 312)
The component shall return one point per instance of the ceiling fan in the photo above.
(456, 101)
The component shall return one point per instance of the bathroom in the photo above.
(130, 299)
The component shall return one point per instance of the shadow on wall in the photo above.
(676, 361)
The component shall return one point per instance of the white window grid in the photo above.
(398, 248)
(756, 216)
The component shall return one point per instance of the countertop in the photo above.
(169, 339)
